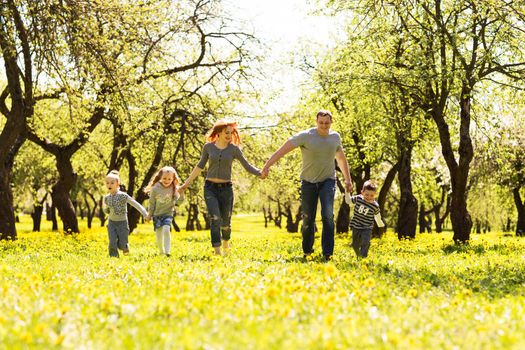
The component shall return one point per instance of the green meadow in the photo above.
(61, 291)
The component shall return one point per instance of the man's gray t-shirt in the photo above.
(318, 154)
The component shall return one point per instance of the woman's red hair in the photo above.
(219, 126)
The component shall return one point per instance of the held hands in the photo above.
(265, 172)
(182, 188)
(147, 218)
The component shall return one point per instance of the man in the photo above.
(319, 146)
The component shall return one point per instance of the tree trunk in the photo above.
(51, 215)
(193, 222)
(60, 194)
(90, 212)
(520, 207)
(134, 215)
(437, 210)
(292, 222)
(407, 215)
(459, 215)
(206, 222)
(378, 232)
(422, 219)
(18, 78)
(7, 213)
(101, 214)
(175, 226)
(342, 222)
(266, 216)
(37, 213)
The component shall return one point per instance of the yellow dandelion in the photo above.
(321, 302)
(393, 338)
(185, 286)
(40, 328)
(412, 293)
(369, 283)
(26, 337)
(488, 308)
(330, 270)
(59, 339)
(272, 291)
(329, 320)
(466, 293)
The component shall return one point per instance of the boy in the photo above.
(365, 211)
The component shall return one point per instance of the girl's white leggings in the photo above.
(163, 239)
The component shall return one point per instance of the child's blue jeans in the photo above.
(118, 232)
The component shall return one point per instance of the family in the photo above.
(320, 146)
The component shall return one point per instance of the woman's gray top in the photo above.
(220, 165)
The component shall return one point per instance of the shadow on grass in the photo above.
(477, 248)
(193, 239)
(491, 280)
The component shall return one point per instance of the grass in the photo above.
(65, 292)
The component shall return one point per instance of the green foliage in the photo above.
(66, 292)
(33, 175)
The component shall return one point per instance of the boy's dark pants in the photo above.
(361, 241)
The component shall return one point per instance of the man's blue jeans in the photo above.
(311, 193)
(219, 201)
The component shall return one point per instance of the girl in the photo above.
(164, 193)
(221, 149)
(115, 205)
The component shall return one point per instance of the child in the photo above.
(164, 193)
(115, 205)
(365, 211)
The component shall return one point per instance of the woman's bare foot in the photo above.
(217, 250)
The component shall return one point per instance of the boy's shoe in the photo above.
(328, 257)
(168, 255)
(125, 251)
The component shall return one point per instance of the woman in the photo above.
(220, 150)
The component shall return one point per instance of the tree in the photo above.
(33, 180)
(505, 160)
(457, 45)
(15, 42)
